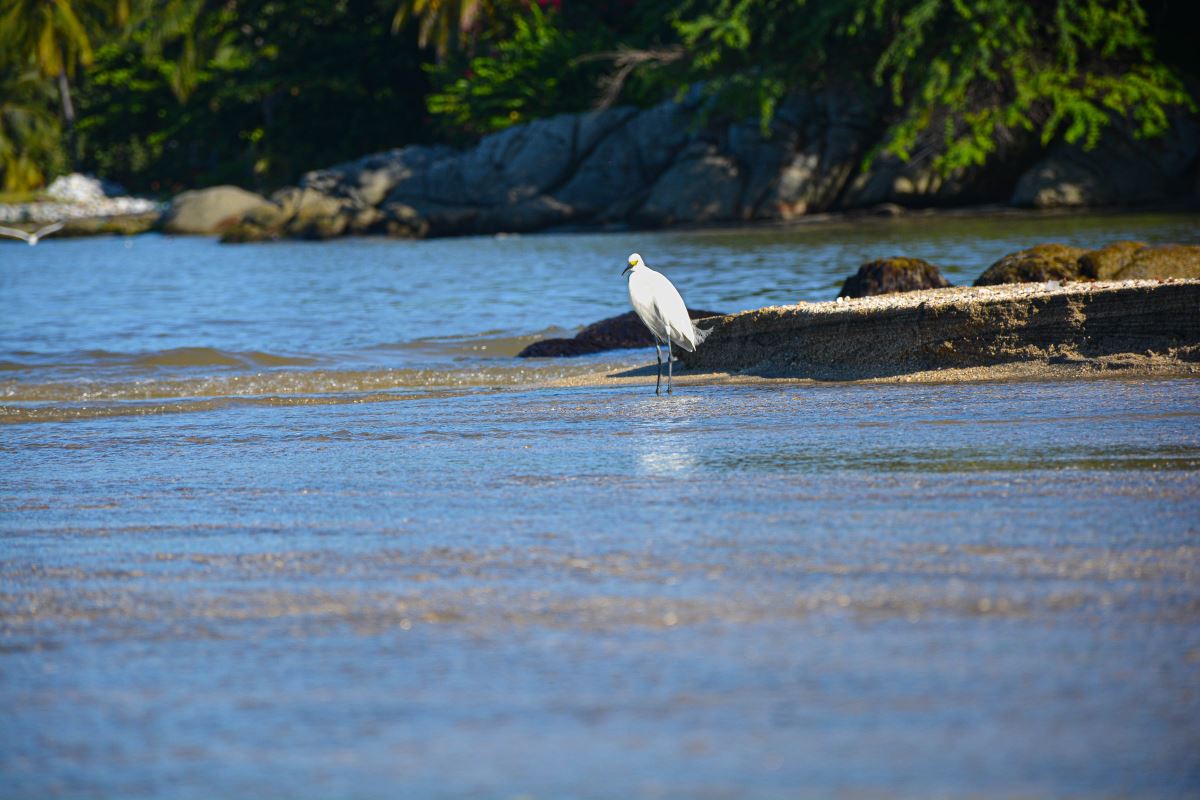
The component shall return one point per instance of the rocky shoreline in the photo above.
(669, 166)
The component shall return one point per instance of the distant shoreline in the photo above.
(135, 224)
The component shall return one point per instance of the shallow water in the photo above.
(276, 524)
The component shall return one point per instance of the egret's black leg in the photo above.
(668, 363)
(658, 383)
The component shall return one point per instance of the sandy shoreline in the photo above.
(1132, 367)
(1125, 330)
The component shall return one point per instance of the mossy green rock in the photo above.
(896, 274)
(1163, 261)
(1119, 261)
(1107, 263)
(1043, 262)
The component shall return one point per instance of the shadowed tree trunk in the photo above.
(64, 92)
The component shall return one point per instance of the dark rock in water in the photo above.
(612, 333)
(896, 274)
(1038, 264)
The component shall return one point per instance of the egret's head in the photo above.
(634, 261)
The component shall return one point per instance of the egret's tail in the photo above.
(701, 333)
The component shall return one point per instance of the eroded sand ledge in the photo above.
(1023, 329)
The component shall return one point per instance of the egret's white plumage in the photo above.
(31, 238)
(658, 304)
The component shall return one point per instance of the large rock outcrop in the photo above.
(1121, 170)
(958, 327)
(674, 165)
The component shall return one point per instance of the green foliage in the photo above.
(180, 93)
(58, 35)
(30, 133)
(527, 75)
(974, 73)
(253, 93)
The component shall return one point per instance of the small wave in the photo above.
(172, 358)
(210, 356)
(27, 401)
(72, 412)
(488, 344)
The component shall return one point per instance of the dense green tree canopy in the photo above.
(177, 93)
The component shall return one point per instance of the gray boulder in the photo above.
(615, 177)
(205, 211)
(370, 179)
(1120, 170)
(504, 183)
(831, 131)
(703, 185)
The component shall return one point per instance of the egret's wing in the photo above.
(14, 233)
(49, 229)
(641, 297)
(670, 307)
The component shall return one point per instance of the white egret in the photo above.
(31, 238)
(658, 304)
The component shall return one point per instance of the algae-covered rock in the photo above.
(612, 333)
(1163, 261)
(246, 232)
(1040, 263)
(896, 274)
(1107, 263)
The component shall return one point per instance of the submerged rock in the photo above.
(895, 274)
(613, 333)
(207, 211)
